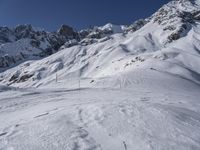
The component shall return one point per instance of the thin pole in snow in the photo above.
(79, 83)
(56, 77)
(79, 88)
(125, 146)
(120, 82)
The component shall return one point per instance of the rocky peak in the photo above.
(24, 42)
(136, 25)
(5, 33)
(22, 28)
(183, 10)
(66, 30)
(177, 17)
(24, 31)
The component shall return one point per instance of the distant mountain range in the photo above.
(166, 41)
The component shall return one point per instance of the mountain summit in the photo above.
(107, 50)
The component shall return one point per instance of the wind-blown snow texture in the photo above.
(113, 87)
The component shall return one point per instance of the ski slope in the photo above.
(159, 111)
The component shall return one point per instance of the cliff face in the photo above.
(24, 42)
(177, 17)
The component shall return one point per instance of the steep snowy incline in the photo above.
(89, 61)
(114, 55)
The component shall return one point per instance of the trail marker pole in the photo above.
(120, 82)
(56, 77)
(79, 84)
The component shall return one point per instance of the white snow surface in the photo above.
(20, 46)
(129, 91)
(158, 111)
(112, 27)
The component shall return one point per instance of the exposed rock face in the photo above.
(177, 17)
(67, 31)
(69, 43)
(136, 25)
(24, 31)
(95, 33)
(6, 35)
(6, 60)
(24, 42)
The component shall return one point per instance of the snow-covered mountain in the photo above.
(131, 87)
(25, 42)
(168, 41)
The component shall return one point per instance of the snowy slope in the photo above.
(118, 54)
(159, 111)
(112, 27)
(130, 87)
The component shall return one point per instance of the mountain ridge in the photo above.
(96, 52)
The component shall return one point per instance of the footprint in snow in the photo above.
(91, 115)
(126, 109)
(80, 139)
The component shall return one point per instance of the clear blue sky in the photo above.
(50, 14)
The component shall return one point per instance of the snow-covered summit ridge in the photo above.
(177, 16)
(175, 19)
(168, 42)
(112, 27)
(39, 43)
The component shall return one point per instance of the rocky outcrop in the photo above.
(24, 40)
(67, 31)
(6, 35)
(177, 17)
(136, 25)
(70, 43)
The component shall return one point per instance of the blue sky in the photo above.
(50, 14)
